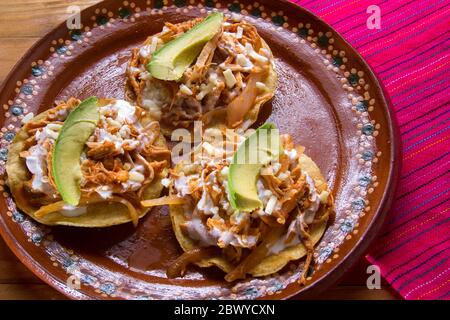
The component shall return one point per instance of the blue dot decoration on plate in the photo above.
(368, 129)
(61, 49)
(67, 262)
(367, 155)
(108, 288)
(3, 154)
(36, 238)
(76, 34)
(251, 292)
(303, 32)
(124, 13)
(158, 4)
(353, 79)
(325, 252)
(235, 7)
(337, 61)
(323, 41)
(347, 225)
(27, 89)
(180, 3)
(9, 136)
(256, 12)
(209, 3)
(87, 279)
(362, 106)
(278, 20)
(18, 217)
(358, 204)
(102, 20)
(17, 110)
(37, 71)
(277, 286)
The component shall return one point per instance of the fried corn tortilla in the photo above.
(99, 212)
(271, 263)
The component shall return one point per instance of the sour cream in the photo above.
(198, 231)
(36, 163)
(125, 111)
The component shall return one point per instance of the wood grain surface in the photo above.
(22, 23)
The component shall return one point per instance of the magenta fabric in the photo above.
(410, 55)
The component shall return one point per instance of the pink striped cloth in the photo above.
(410, 55)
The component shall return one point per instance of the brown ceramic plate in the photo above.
(327, 98)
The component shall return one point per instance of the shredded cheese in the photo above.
(271, 205)
(243, 61)
(259, 58)
(230, 79)
(239, 33)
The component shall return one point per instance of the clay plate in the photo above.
(327, 98)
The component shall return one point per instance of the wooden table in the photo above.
(22, 23)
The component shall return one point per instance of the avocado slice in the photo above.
(256, 151)
(170, 61)
(76, 130)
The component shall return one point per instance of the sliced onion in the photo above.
(238, 108)
(168, 200)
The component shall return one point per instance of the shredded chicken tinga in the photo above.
(230, 80)
(122, 164)
(297, 205)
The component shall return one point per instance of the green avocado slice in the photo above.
(171, 60)
(76, 130)
(256, 151)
